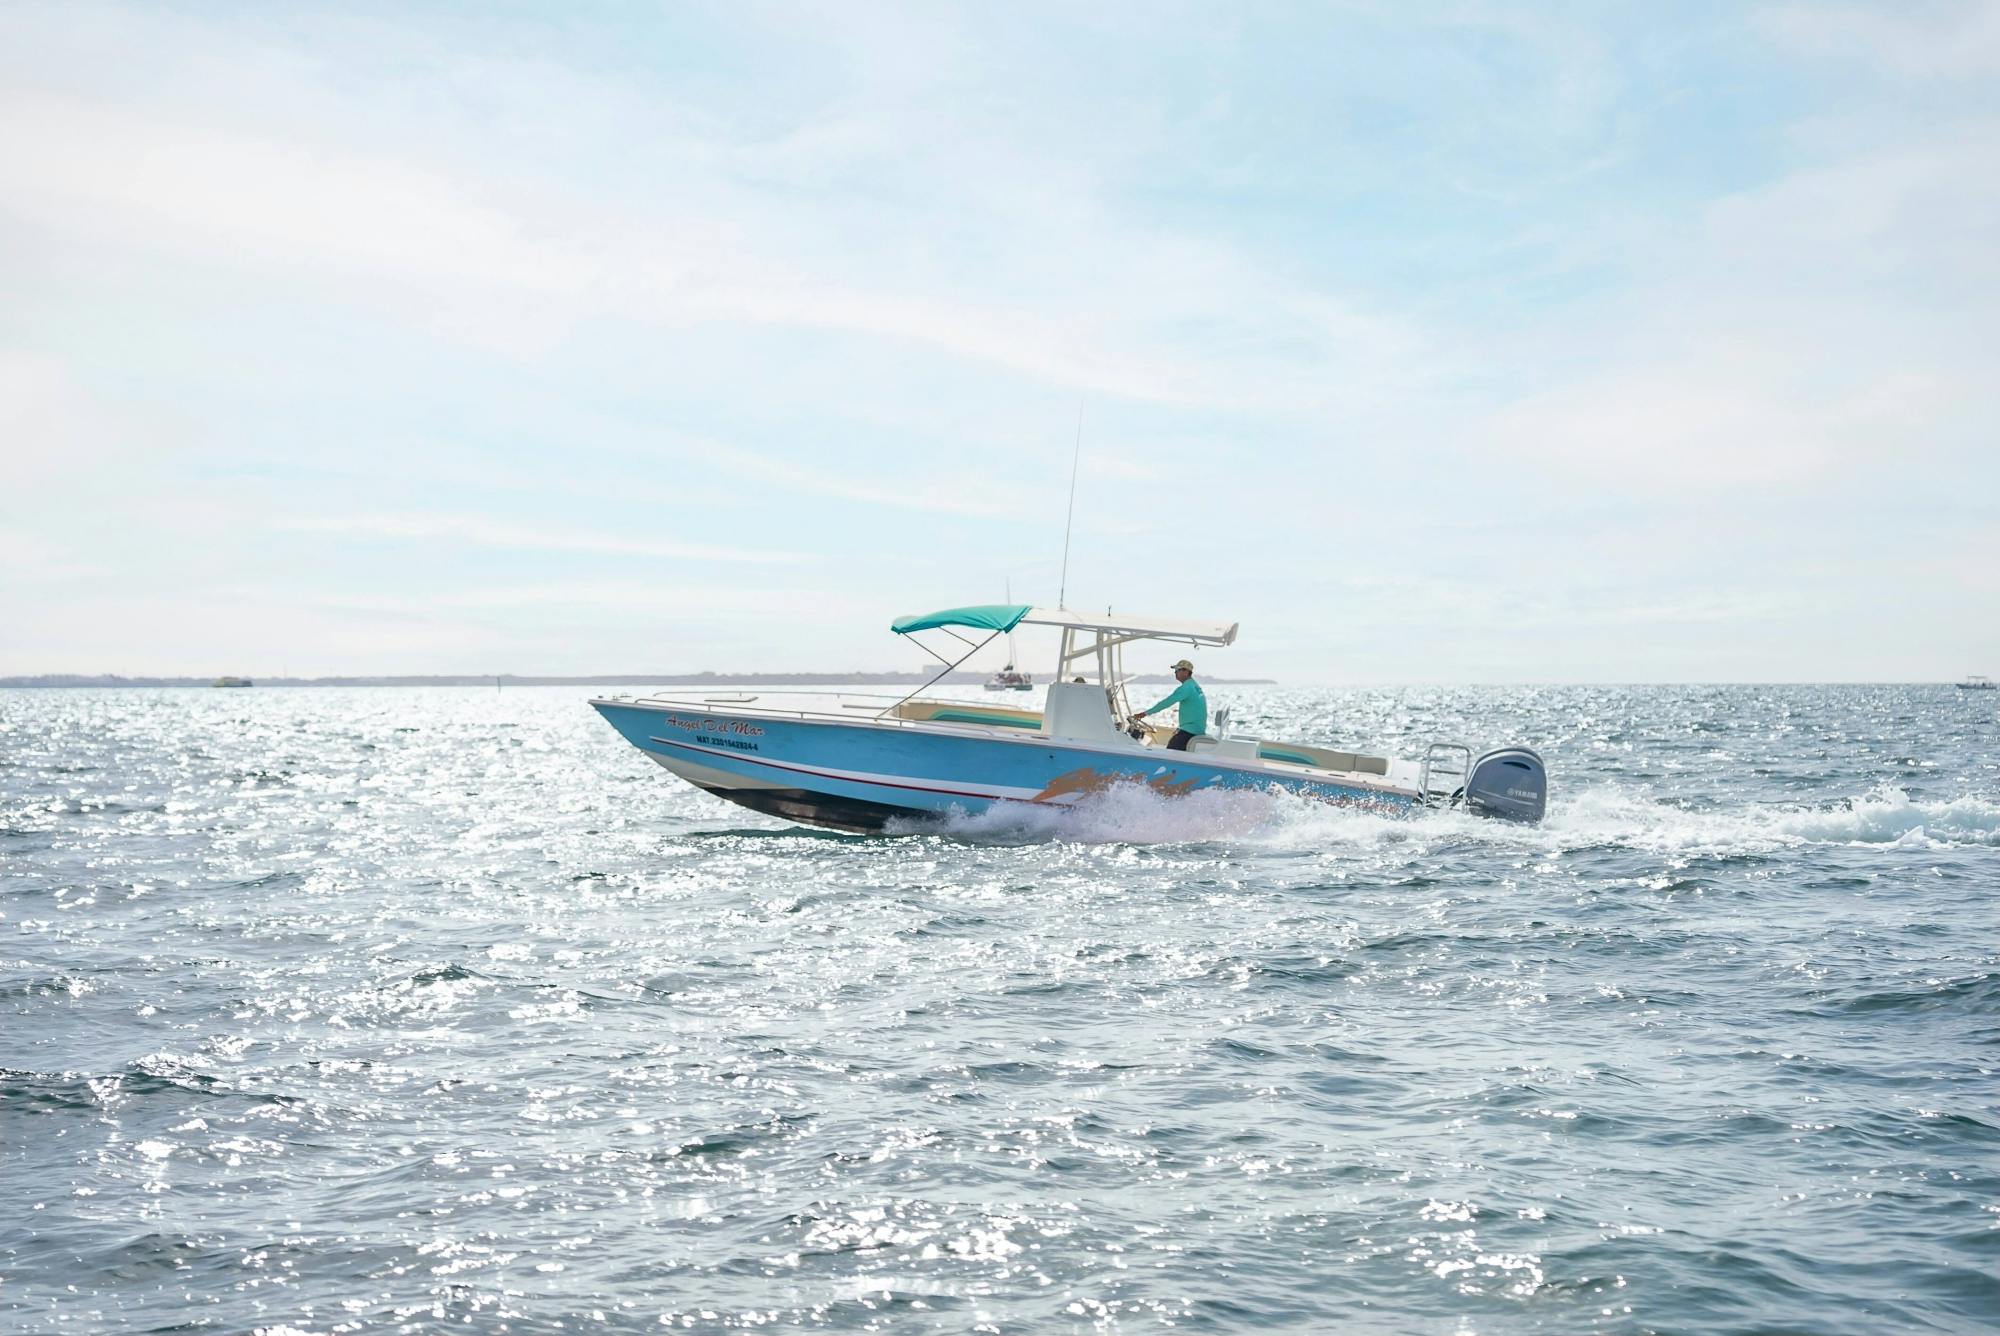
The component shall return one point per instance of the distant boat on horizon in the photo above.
(1977, 682)
(1007, 679)
(1010, 678)
(232, 682)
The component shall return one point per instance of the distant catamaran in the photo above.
(1009, 680)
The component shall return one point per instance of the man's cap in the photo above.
(1183, 664)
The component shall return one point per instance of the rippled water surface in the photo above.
(336, 1011)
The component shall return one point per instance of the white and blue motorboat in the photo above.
(865, 763)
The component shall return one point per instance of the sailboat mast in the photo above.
(1076, 456)
(1012, 659)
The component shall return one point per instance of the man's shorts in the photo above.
(1180, 740)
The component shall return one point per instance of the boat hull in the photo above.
(864, 774)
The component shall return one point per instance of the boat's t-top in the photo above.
(1087, 703)
(1091, 652)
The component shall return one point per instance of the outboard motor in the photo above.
(1508, 782)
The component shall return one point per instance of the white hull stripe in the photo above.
(854, 776)
(993, 794)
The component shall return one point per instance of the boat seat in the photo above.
(1323, 758)
(954, 712)
(1296, 756)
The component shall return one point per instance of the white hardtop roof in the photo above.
(1153, 628)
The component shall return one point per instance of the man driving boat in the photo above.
(1193, 707)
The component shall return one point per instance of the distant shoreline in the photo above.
(512, 680)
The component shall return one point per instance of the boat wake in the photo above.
(1121, 814)
(1886, 816)
(1605, 817)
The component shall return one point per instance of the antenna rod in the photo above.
(1062, 591)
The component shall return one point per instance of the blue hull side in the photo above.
(859, 776)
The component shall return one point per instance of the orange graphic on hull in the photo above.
(1087, 782)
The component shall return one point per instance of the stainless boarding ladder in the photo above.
(1439, 782)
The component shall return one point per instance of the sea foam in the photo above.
(1605, 815)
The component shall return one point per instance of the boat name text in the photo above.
(735, 726)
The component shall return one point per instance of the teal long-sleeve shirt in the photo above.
(1194, 706)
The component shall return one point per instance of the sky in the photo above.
(1456, 343)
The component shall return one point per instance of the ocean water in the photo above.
(419, 1010)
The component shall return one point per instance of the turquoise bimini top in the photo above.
(1193, 706)
(980, 617)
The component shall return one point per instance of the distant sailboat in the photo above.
(1009, 678)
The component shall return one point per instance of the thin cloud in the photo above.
(970, 495)
(479, 531)
(1921, 42)
(93, 167)
(633, 598)
(460, 256)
